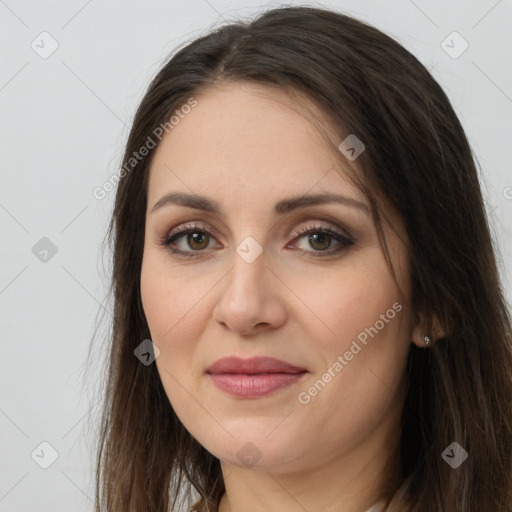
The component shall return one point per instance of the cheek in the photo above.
(359, 321)
(358, 386)
(175, 307)
(169, 300)
(342, 305)
(155, 299)
(172, 319)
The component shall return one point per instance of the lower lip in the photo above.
(253, 385)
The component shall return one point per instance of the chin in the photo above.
(254, 449)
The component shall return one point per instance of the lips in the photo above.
(254, 377)
(252, 365)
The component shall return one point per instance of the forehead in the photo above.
(250, 138)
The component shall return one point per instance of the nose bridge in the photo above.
(249, 232)
(247, 277)
(246, 299)
(251, 258)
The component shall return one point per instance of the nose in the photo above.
(251, 298)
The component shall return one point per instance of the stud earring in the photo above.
(427, 340)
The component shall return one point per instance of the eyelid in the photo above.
(305, 227)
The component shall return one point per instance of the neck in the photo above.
(352, 483)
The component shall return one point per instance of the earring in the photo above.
(427, 340)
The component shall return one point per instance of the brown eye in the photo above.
(192, 240)
(188, 240)
(319, 239)
(196, 241)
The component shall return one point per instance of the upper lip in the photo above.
(253, 365)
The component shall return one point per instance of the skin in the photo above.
(247, 146)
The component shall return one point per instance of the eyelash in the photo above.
(301, 232)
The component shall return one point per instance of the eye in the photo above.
(321, 238)
(197, 238)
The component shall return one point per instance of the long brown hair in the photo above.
(417, 157)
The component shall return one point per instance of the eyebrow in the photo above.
(287, 205)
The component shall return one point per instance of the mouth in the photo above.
(253, 377)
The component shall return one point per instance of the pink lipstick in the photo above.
(253, 377)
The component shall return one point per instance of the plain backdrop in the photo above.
(71, 76)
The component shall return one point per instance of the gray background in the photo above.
(65, 118)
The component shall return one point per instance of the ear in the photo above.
(420, 331)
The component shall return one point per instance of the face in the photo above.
(249, 274)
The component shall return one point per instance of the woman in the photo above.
(308, 314)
